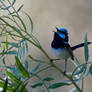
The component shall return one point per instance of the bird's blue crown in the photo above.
(62, 29)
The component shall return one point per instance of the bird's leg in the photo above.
(65, 66)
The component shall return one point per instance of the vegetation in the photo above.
(17, 40)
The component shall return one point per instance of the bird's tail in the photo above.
(79, 45)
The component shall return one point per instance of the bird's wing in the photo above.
(70, 51)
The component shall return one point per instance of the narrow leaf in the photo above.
(86, 51)
(7, 41)
(21, 68)
(57, 85)
(90, 69)
(14, 52)
(4, 47)
(22, 22)
(13, 77)
(36, 68)
(7, 7)
(37, 85)
(5, 85)
(26, 64)
(80, 71)
(23, 88)
(48, 79)
(9, 88)
(12, 44)
(20, 8)
(31, 22)
(16, 88)
(13, 2)
(14, 70)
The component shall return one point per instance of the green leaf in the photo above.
(13, 2)
(86, 51)
(36, 68)
(13, 77)
(22, 22)
(26, 65)
(5, 85)
(48, 79)
(23, 88)
(20, 88)
(9, 88)
(90, 69)
(82, 69)
(37, 85)
(16, 88)
(31, 22)
(14, 52)
(7, 41)
(14, 70)
(16, 30)
(57, 85)
(21, 68)
(12, 44)
(3, 47)
(20, 8)
(7, 7)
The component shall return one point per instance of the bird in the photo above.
(61, 47)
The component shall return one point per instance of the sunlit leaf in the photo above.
(13, 77)
(14, 70)
(9, 88)
(4, 47)
(7, 41)
(21, 68)
(5, 85)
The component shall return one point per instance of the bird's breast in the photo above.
(61, 53)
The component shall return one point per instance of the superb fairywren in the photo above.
(61, 47)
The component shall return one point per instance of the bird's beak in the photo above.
(56, 28)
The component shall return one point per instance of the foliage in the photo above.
(17, 76)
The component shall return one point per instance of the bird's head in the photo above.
(62, 32)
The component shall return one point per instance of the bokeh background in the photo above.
(75, 15)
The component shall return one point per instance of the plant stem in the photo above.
(70, 78)
(82, 84)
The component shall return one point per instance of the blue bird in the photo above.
(61, 47)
